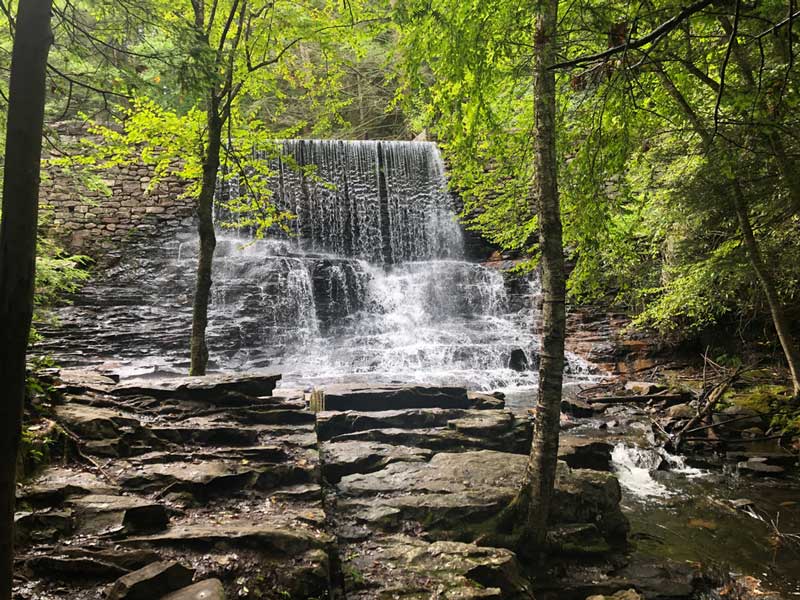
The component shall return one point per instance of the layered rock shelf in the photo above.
(225, 487)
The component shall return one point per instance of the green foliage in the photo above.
(651, 144)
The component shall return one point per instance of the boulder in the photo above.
(151, 582)
(759, 467)
(455, 492)
(208, 589)
(585, 453)
(518, 360)
(405, 567)
(393, 397)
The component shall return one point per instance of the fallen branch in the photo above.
(711, 398)
(633, 399)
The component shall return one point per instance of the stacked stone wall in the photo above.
(99, 222)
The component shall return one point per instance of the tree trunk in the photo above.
(18, 248)
(540, 475)
(782, 326)
(208, 240)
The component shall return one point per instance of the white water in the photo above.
(635, 467)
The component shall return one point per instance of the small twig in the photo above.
(77, 441)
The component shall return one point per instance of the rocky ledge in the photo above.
(224, 486)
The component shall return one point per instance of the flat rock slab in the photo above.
(455, 491)
(284, 540)
(346, 458)
(517, 438)
(393, 397)
(91, 422)
(151, 582)
(96, 513)
(331, 424)
(404, 567)
(56, 484)
(209, 589)
(206, 387)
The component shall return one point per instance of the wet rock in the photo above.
(393, 397)
(455, 491)
(621, 595)
(207, 387)
(151, 582)
(518, 360)
(81, 380)
(516, 439)
(483, 401)
(741, 413)
(346, 458)
(585, 453)
(644, 388)
(98, 513)
(93, 423)
(484, 423)
(281, 539)
(780, 459)
(200, 477)
(660, 581)
(580, 409)
(53, 486)
(42, 526)
(208, 433)
(760, 467)
(208, 589)
(404, 567)
(681, 411)
(331, 424)
(577, 539)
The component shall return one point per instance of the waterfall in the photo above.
(371, 282)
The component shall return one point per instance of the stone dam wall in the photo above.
(98, 223)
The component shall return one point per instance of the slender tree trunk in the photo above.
(782, 326)
(18, 248)
(540, 475)
(208, 240)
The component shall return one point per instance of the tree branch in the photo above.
(657, 33)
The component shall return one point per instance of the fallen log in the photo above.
(637, 399)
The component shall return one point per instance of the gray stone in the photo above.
(207, 387)
(681, 411)
(96, 513)
(585, 453)
(208, 589)
(91, 422)
(454, 492)
(288, 539)
(151, 582)
(393, 397)
(345, 458)
(404, 567)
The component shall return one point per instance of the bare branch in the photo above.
(665, 28)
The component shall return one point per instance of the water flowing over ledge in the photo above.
(372, 284)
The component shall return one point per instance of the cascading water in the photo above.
(372, 285)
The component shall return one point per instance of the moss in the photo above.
(762, 398)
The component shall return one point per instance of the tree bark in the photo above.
(18, 248)
(539, 479)
(779, 319)
(208, 239)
